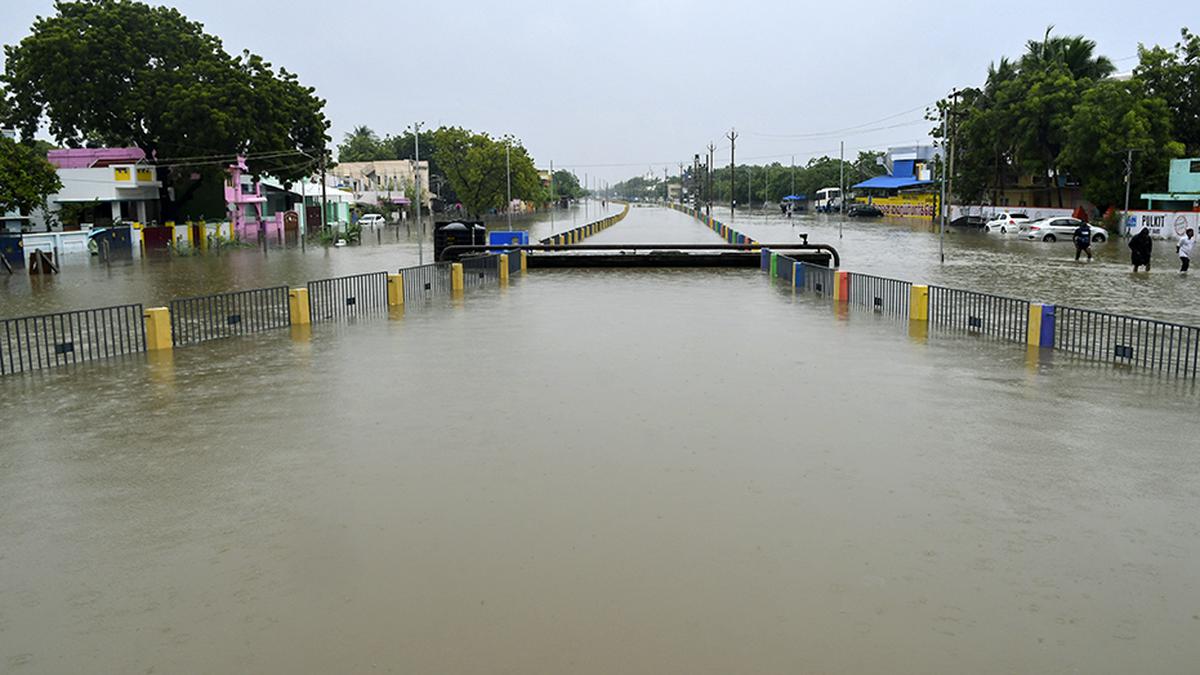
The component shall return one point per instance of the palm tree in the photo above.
(1075, 52)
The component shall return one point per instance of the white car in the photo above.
(1006, 222)
(1055, 229)
(371, 220)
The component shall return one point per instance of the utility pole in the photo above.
(732, 136)
(793, 175)
(324, 200)
(553, 197)
(950, 151)
(1128, 181)
(841, 186)
(417, 176)
(942, 201)
(708, 169)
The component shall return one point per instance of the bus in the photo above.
(827, 199)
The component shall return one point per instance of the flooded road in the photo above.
(86, 282)
(600, 471)
(905, 248)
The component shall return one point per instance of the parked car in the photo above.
(1006, 222)
(863, 211)
(969, 221)
(372, 220)
(1054, 229)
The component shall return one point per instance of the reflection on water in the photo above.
(86, 282)
(598, 472)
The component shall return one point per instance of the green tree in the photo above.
(26, 178)
(116, 72)
(566, 184)
(1174, 76)
(362, 145)
(474, 163)
(1112, 117)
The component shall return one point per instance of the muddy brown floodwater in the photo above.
(600, 471)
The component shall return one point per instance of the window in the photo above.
(1195, 166)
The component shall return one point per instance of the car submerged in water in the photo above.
(863, 211)
(1054, 229)
(1006, 222)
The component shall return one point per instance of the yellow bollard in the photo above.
(456, 278)
(298, 306)
(524, 261)
(395, 289)
(503, 269)
(918, 303)
(158, 328)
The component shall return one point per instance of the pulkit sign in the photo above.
(1162, 224)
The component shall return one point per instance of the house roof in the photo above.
(891, 182)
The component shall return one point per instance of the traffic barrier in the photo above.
(456, 278)
(395, 289)
(220, 315)
(342, 297)
(480, 270)
(578, 234)
(44, 341)
(1127, 340)
(983, 313)
(886, 296)
(425, 282)
(298, 307)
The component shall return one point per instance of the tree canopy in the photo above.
(475, 165)
(26, 178)
(116, 73)
(1056, 114)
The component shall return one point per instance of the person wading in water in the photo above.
(1140, 247)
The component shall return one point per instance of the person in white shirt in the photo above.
(1186, 243)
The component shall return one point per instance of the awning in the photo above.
(794, 198)
(890, 183)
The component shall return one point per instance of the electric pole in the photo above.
(732, 136)
(942, 202)
(1128, 181)
(508, 182)
(417, 175)
(708, 169)
(324, 200)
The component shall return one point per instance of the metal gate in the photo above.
(342, 297)
(38, 342)
(222, 315)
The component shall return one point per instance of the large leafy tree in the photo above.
(474, 163)
(26, 178)
(1174, 76)
(566, 184)
(115, 72)
(1112, 118)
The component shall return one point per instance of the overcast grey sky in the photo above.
(615, 88)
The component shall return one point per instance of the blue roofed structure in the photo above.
(908, 167)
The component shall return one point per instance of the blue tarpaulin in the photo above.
(794, 198)
(891, 182)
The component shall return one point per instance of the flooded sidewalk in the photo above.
(597, 472)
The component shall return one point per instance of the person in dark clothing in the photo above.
(1140, 247)
(1083, 240)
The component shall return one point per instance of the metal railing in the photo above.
(785, 268)
(983, 313)
(818, 279)
(1158, 345)
(514, 262)
(62, 338)
(221, 315)
(424, 282)
(342, 297)
(481, 270)
(881, 294)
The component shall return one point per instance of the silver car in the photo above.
(1054, 229)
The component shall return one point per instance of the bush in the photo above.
(1111, 220)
